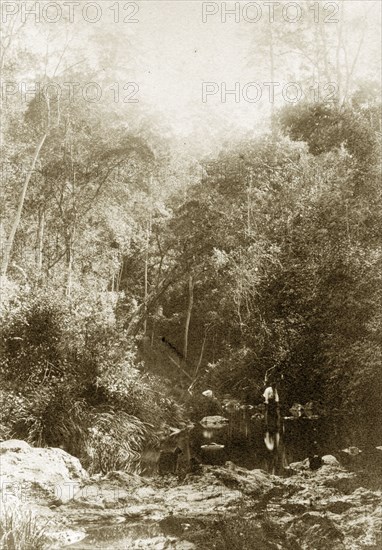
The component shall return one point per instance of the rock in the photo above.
(15, 445)
(352, 451)
(125, 479)
(39, 475)
(330, 460)
(296, 409)
(212, 447)
(298, 466)
(213, 421)
(316, 531)
(231, 406)
(324, 509)
(344, 482)
(379, 447)
(257, 416)
(250, 482)
(65, 537)
(208, 393)
(246, 407)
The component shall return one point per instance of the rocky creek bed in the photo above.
(221, 507)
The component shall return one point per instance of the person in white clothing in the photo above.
(271, 398)
(270, 394)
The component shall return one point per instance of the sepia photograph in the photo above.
(190, 275)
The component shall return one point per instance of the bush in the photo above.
(116, 442)
(70, 379)
(19, 529)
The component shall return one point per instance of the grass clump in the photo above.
(20, 529)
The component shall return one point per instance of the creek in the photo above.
(250, 443)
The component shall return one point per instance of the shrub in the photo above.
(19, 528)
(116, 442)
(70, 379)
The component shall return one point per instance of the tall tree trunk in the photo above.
(16, 221)
(70, 272)
(70, 262)
(188, 316)
(40, 242)
(119, 276)
(324, 48)
(148, 235)
(201, 355)
(249, 204)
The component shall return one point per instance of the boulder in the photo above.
(296, 409)
(316, 530)
(15, 445)
(330, 460)
(352, 451)
(231, 406)
(298, 466)
(213, 421)
(40, 475)
(250, 482)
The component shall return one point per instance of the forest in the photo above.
(140, 268)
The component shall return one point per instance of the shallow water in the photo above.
(120, 536)
(252, 444)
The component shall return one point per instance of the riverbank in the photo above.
(220, 507)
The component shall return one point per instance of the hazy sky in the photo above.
(180, 51)
(170, 52)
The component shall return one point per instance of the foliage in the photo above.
(284, 248)
(19, 528)
(263, 255)
(71, 380)
(116, 442)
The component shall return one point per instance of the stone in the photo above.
(352, 451)
(15, 445)
(213, 421)
(39, 474)
(324, 509)
(296, 409)
(317, 531)
(298, 466)
(330, 460)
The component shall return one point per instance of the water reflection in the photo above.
(273, 445)
(275, 460)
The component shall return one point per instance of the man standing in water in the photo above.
(272, 408)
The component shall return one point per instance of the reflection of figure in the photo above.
(208, 433)
(272, 408)
(275, 457)
(272, 440)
